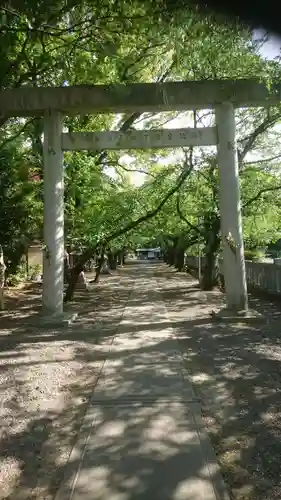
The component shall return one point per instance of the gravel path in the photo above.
(236, 372)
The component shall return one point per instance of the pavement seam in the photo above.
(84, 433)
(125, 400)
(68, 485)
(218, 484)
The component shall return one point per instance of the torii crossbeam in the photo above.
(53, 103)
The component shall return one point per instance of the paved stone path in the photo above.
(142, 436)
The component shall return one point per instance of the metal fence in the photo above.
(264, 276)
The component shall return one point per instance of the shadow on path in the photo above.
(143, 430)
(236, 373)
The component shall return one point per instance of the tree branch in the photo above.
(263, 160)
(119, 232)
(183, 218)
(135, 170)
(263, 127)
(131, 225)
(12, 138)
(258, 195)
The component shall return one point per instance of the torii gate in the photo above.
(55, 102)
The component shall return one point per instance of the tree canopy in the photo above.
(175, 204)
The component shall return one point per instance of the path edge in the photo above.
(219, 485)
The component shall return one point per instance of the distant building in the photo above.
(148, 253)
(35, 254)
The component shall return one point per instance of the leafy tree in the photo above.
(106, 41)
(20, 208)
(260, 193)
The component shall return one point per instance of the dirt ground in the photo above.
(47, 376)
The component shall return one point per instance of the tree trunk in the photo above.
(99, 268)
(171, 256)
(66, 267)
(112, 260)
(121, 258)
(73, 278)
(210, 270)
(172, 252)
(165, 256)
(179, 259)
(2, 278)
(75, 272)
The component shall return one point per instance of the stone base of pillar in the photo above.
(42, 320)
(231, 316)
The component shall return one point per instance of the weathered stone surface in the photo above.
(141, 97)
(140, 139)
(44, 320)
(142, 436)
(231, 316)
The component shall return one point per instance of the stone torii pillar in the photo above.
(230, 211)
(53, 262)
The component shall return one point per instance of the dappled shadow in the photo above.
(23, 305)
(20, 304)
(141, 451)
(139, 426)
(235, 370)
(142, 435)
(41, 377)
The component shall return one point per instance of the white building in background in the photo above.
(148, 253)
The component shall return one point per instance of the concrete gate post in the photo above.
(230, 210)
(53, 262)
